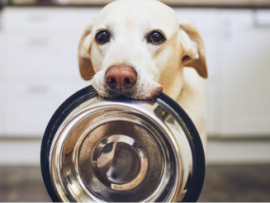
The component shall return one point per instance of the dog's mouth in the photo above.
(141, 91)
(120, 92)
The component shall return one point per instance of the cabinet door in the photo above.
(39, 54)
(36, 18)
(2, 107)
(2, 52)
(31, 103)
(246, 72)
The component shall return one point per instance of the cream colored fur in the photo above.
(156, 65)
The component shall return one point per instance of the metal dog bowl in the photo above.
(121, 150)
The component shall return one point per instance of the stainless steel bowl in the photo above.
(121, 150)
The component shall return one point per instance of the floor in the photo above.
(236, 183)
(224, 183)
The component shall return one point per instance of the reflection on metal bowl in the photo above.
(121, 150)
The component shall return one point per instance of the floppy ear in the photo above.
(192, 43)
(85, 65)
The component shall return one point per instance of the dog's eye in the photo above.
(155, 37)
(103, 37)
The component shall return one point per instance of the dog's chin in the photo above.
(140, 92)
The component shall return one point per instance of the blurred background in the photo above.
(38, 71)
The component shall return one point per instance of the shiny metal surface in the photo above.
(114, 151)
(120, 162)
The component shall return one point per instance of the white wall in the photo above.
(39, 66)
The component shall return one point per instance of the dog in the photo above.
(139, 48)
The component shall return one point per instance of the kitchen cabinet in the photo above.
(40, 54)
(41, 64)
(32, 101)
(2, 53)
(245, 73)
(3, 112)
(39, 70)
(37, 18)
(237, 48)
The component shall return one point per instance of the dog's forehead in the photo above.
(146, 13)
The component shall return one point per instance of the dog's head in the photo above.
(137, 48)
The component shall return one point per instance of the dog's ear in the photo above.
(193, 46)
(85, 65)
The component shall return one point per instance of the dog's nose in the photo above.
(121, 77)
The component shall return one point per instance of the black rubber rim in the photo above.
(78, 98)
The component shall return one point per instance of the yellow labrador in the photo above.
(139, 48)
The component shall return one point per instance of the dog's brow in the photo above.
(105, 27)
